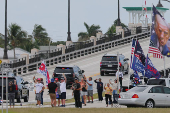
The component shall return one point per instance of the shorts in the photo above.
(52, 96)
(38, 96)
(89, 92)
(59, 97)
(63, 95)
(84, 93)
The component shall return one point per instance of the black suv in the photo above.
(70, 72)
(21, 90)
(109, 64)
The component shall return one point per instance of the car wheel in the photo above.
(102, 73)
(149, 104)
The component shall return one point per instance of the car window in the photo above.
(166, 90)
(156, 90)
(109, 58)
(63, 70)
(138, 89)
(156, 82)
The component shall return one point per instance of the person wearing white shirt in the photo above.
(119, 75)
(63, 89)
(115, 87)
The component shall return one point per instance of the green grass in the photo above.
(88, 110)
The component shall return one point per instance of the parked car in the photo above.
(160, 81)
(70, 72)
(21, 91)
(149, 96)
(109, 64)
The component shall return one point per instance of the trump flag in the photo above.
(160, 36)
(150, 70)
(43, 70)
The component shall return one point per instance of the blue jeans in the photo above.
(42, 97)
(82, 100)
(114, 92)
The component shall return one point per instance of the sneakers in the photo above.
(88, 102)
(38, 105)
(92, 102)
(62, 106)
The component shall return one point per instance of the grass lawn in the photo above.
(90, 110)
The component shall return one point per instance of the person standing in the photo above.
(84, 91)
(11, 93)
(77, 88)
(52, 87)
(108, 94)
(42, 92)
(99, 88)
(39, 88)
(90, 90)
(119, 75)
(58, 90)
(115, 87)
(81, 83)
(63, 89)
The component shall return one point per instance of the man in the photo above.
(119, 75)
(115, 87)
(77, 88)
(63, 89)
(58, 90)
(39, 88)
(99, 88)
(52, 87)
(90, 89)
(161, 35)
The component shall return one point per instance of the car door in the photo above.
(158, 95)
(167, 95)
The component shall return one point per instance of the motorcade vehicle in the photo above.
(109, 64)
(70, 71)
(149, 96)
(21, 90)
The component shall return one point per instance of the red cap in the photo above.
(39, 79)
(56, 79)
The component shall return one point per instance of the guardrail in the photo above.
(58, 57)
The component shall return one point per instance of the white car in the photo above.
(149, 96)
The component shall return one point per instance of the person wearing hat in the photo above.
(39, 88)
(63, 89)
(99, 88)
(52, 88)
(58, 90)
(119, 75)
(76, 89)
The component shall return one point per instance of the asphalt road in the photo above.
(91, 65)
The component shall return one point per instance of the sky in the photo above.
(53, 15)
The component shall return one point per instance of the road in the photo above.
(91, 65)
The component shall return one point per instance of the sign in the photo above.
(0, 61)
(6, 67)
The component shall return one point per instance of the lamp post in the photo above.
(5, 49)
(118, 20)
(69, 33)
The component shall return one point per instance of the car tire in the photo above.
(149, 104)
(102, 73)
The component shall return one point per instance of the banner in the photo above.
(43, 70)
(150, 70)
(160, 35)
(132, 51)
(136, 74)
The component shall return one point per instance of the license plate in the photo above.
(125, 96)
(109, 65)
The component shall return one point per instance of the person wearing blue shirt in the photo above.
(99, 88)
(90, 89)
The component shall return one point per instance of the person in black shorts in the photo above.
(77, 88)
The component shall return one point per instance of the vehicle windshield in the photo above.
(109, 58)
(156, 82)
(63, 70)
(138, 89)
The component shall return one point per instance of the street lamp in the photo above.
(69, 33)
(5, 49)
(118, 20)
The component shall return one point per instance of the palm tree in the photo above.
(91, 31)
(40, 34)
(16, 36)
(111, 29)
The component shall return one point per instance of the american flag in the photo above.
(132, 50)
(154, 38)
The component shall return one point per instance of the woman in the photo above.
(11, 93)
(108, 94)
(84, 91)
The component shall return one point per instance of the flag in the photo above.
(150, 70)
(132, 51)
(160, 36)
(136, 74)
(43, 70)
(139, 53)
(137, 65)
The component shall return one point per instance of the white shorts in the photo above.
(84, 93)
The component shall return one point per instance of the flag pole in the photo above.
(164, 67)
(117, 76)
